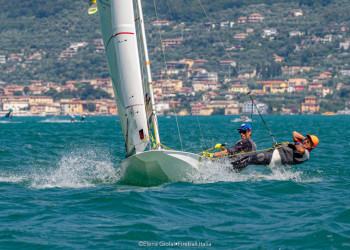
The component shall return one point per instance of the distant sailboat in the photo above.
(242, 119)
(147, 161)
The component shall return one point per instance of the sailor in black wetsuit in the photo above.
(287, 153)
(236, 154)
(9, 114)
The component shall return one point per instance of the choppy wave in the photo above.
(10, 122)
(81, 168)
(60, 189)
(78, 169)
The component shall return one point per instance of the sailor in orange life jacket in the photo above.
(287, 153)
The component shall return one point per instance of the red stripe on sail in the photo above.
(124, 33)
(134, 105)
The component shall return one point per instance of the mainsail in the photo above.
(123, 41)
(126, 48)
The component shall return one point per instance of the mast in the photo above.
(149, 76)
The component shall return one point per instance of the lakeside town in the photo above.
(30, 101)
(189, 86)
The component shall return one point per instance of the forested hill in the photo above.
(47, 28)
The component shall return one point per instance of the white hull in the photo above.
(160, 166)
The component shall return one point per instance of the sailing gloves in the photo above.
(209, 155)
(218, 146)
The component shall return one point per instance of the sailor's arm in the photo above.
(222, 153)
(299, 137)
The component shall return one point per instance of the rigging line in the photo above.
(251, 114)
(166, 69)
(200, 129)
(218, 34)
(178, 128)
(262, 118)
(171, 16)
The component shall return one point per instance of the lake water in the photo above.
(59, 188)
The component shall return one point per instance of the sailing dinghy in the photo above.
(147, 162)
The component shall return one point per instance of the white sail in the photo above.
(120, 40)
(126, 48)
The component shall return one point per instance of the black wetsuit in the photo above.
(288, 155)
(241, 161)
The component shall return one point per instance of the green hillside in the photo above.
(46, 28)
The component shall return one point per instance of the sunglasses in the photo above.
(309, 141)
(242, 131)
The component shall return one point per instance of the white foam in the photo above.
(9, 122)
(216, 172)
(52, 120)
(11, 179)
(55, 121)
(79, 169)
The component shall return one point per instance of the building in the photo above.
(69, 106)
(310, 105)
(326, 75)
(327, 39)
(239, 88)
(196, 108)
(241, 36)
(242, 20)
(225, 24)
(2, 59)
(315, 85)
(249, 107)
(274, 87)
(161, 107)
(208, 96)
(232, 109)
(168, 85)
(270, 32)
(203, 76)
(344, 45)
(200, 109)
(324, 91)
(17, 103)
(97, 42)
(45, 109)
(181, 65)
(256, 18)
(295, 70)
(221, 104)
(161, 23)
(205, 86)
(278, 58)
(104, 107)
(210, 25)
(297, 82)
(172, 43)
(40, 100)
(227, 63)
(298, 12)
(344, 72)
(296, 33)
(186, 91)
